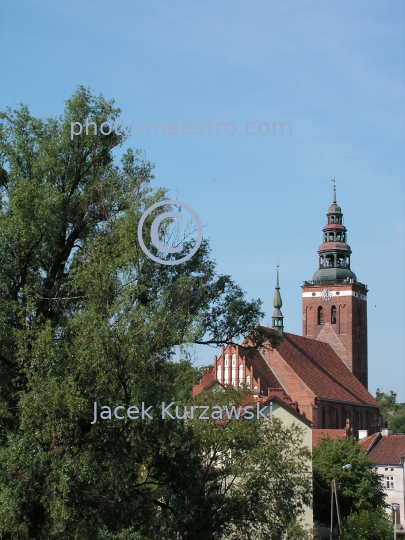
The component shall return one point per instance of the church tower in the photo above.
(334, 303)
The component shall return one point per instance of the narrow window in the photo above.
(333, 315)
(248, 380)
(226, 370)
(234, 369)
(240, 374)
(320, 315)
(219, 373)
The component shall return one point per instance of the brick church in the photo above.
(323, 373)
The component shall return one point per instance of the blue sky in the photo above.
(333, 69)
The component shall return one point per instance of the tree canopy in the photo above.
(359, 488)
(392, 412)
(86, 317)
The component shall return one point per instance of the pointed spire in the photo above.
(277, 302)
(334, 190)
(277, 317)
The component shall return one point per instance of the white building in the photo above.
(388, 453)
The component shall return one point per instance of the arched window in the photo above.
(219, 373)
(332, 219)
(323, 421)
(320, 315)
(333, 315)
(248, 380)
(226, 369)
(226, 360)
(234, 369)
(240, 374)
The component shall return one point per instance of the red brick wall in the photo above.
(348, 335)
(360, 417)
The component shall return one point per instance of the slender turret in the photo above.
(277, 318)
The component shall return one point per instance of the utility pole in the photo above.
(334, 493)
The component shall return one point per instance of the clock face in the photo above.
(326, 294)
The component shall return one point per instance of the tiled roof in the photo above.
(368, 442)
(287, 406)
(261, 369)
(322, 370)
(388, 449)
(318, 434)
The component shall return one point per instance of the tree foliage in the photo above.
(359, 488)
(258, 469)
(392, 412)
(367, 525)
(86, 317)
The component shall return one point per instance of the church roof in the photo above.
(322, 370)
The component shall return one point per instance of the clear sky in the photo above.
(333, 69)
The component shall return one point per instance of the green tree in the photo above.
(359, 488)
(367, 525)
(258, 469)
(392, 412)
(86, 317)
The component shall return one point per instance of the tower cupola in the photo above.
(334, 253)
(277, 317)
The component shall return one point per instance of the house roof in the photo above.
(322, 370)
(318, 434)
(273, 398)
(386, 450)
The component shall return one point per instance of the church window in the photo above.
(226, 360)
(219, 373)
(240, 374)
(234, 369)
(226, 370)
(333, 315)
(320, 315)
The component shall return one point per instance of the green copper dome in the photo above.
(332, 274)
(334, 209)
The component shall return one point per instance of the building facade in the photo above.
(387, 450)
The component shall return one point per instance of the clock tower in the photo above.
(334, 303)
